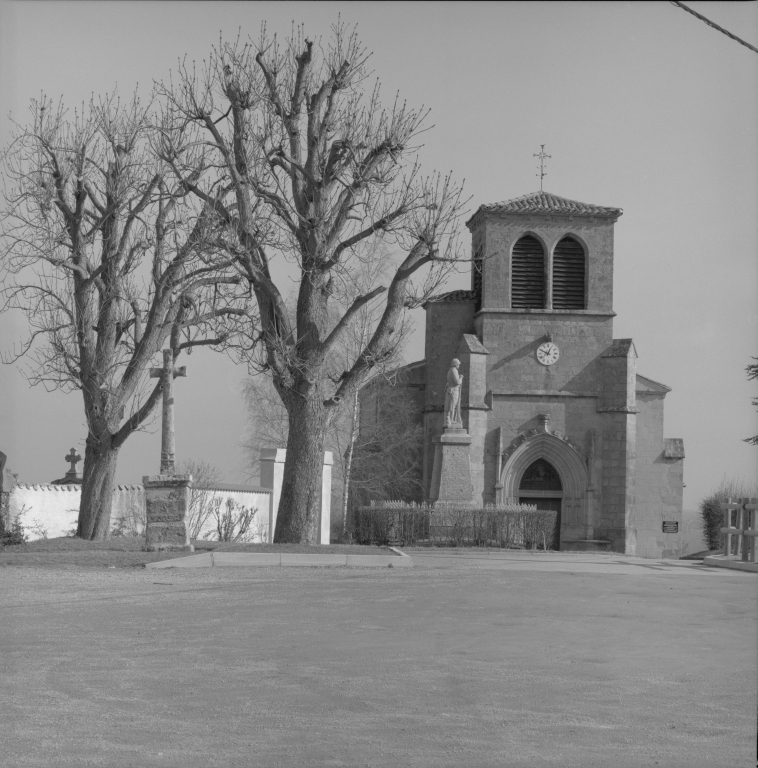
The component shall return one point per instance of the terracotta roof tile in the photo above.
(545, 202)
(454, 296)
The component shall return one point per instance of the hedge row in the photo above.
(513, 525)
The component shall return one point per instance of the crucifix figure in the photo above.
(542, 156)
(72, 458)
(167, 374)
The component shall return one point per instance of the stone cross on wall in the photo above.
(72, 458)
(167, 374)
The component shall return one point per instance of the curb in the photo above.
(720, 561)
(248, 559)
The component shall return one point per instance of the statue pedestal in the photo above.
(167, 502)
(451, 476)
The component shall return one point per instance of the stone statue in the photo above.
(452, 408)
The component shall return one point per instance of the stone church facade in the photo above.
(556, 411)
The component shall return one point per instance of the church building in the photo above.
(554, 410)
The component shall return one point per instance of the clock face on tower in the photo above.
(547, 353)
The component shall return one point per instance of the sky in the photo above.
(640, 105)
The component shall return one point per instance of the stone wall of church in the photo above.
(571, 417)
(512, 339)
(446, 322)
(658, 495)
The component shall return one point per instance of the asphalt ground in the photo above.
(467, 659)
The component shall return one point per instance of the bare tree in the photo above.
(389, 447)
(313, 169)
(268, 419)
(109, 258)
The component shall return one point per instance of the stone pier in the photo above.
(167, 502)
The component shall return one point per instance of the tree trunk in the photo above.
(97, 489)
(300, 503)
(349, 460)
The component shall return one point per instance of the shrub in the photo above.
(16, 534)
(711, 512)
(509, 525)
(236, 522)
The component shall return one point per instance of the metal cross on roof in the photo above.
(542, 156)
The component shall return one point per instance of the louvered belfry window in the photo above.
(528, 274)
(568, 275)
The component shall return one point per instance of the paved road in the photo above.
(571, 562)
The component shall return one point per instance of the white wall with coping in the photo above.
(243, 496)
(48, 510)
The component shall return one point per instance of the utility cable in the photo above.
(711, 24)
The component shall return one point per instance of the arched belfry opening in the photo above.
(528, 284)
(569, 275)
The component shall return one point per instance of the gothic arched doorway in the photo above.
(541, 485)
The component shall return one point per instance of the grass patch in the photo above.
(127, 552)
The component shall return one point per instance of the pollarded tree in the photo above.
(314, 170)
(109, 258)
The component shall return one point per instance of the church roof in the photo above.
(452, 296)
(545, 202)
(644, 384)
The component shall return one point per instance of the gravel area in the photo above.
(444, 664)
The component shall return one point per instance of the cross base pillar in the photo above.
(167, 505)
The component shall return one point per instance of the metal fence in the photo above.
(504, 526)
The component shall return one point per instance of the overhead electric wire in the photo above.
(711, 24)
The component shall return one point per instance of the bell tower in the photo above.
(542, 280)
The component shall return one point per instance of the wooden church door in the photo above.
(541, 485)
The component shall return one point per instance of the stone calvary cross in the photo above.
(73, 458)
(167, 374)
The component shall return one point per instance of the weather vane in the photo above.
(542, 156)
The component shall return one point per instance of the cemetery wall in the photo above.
(50, 511)
(258, 499)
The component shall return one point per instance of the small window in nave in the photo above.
(528, 274)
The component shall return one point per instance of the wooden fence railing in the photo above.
(741, 529)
